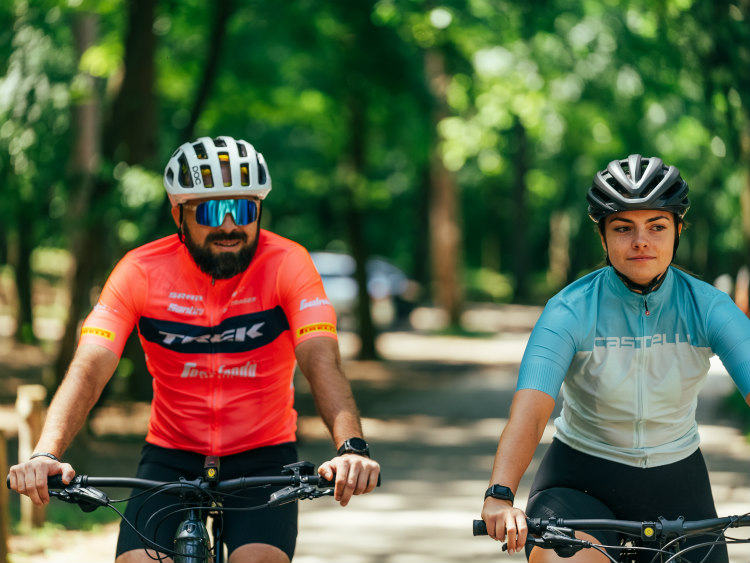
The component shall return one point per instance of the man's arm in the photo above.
(320, 362)
(89, 372)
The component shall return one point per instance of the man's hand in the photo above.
(30, 478)
(355, 475)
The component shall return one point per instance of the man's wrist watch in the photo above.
(500, 492)
(354, 446)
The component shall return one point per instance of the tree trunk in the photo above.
(520, 212)
(131, 130)
(85, 161)
(129, 136)
(224, 10)
(25, 315)
(445, 228)
(355, 220)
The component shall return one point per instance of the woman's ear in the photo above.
(601, 234)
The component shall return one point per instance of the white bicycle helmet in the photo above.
(637, 183)
(213, 168)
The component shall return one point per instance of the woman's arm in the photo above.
(529, 413)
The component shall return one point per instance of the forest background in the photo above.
(455, 138)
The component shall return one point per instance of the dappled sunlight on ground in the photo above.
(433, 411)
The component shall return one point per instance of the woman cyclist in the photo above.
(632, 342)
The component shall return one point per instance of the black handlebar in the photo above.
(228, 485)
(661, 528)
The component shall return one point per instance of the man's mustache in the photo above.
(221, 237)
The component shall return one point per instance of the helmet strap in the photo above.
(180, 234)
(653, 285)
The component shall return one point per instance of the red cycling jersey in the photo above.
(221, 352)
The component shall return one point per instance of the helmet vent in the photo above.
(186, 180)
(200, 151)
(261, 170)
(208, 178)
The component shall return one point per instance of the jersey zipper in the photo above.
(214, 383)
(640, 383)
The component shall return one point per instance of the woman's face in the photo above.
(640, 243)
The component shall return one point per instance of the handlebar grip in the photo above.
(53, 482)
(323, 483)
(480, 528)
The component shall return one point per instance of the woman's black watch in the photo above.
(354, 446)
(500, 492)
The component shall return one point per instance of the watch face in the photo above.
(356, 444)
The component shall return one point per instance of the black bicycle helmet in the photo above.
(637, 183)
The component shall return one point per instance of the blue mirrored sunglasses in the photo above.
(211, 213)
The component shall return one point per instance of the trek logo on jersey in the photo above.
(317, 302)
(235, 334)
(317, 327)
(641, 341)
(93, 331)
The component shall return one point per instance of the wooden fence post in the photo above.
(4, 508)
(30, 409)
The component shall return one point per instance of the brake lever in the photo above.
(556, 537)
(293, 493)
(87, 498)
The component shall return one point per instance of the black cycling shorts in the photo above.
(571, 484)
(275, 526)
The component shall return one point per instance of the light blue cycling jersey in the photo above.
(632, 364)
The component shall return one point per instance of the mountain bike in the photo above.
(200, 500)
(661, 537)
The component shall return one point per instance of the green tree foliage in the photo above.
(538, 96)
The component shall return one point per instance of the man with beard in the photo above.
(224, 310)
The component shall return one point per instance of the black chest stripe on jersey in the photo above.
(235, 334)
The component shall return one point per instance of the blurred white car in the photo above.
(391, 292)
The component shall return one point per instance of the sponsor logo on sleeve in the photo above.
(317, 327)
(93, 331)
(317, 302)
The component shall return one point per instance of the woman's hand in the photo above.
(505, 523)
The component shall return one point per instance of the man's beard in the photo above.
(222, 265)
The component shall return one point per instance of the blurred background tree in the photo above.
(454, 138)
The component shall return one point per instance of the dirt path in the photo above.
(433, 411)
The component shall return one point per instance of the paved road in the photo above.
(433, 411)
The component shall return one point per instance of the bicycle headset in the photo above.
(638, 183)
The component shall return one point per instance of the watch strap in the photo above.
(500, 492)
(44, 454)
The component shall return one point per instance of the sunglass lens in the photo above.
(211, 213)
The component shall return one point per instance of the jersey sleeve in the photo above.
(729, 335)
(549, 351)
(308, 309)
(116, 312)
